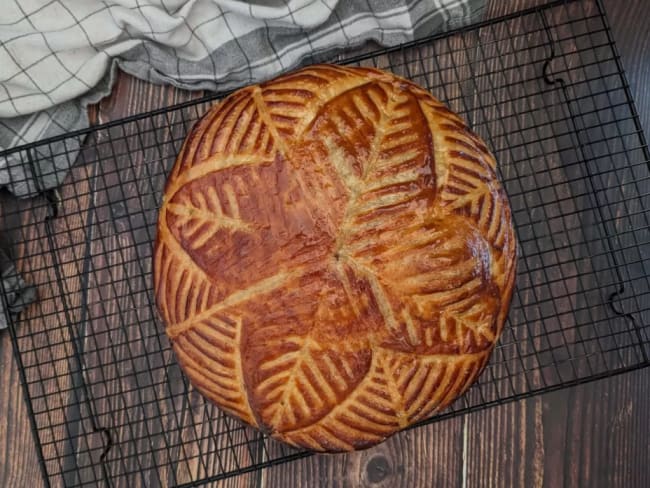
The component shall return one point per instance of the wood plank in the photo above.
(430, 456)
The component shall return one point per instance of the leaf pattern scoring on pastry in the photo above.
(335, 256)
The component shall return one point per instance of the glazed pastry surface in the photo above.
(335, 256)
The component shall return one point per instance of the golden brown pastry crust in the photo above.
(335, 256)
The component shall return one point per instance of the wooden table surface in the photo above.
(596, 434)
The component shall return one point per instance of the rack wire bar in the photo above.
(544, 87)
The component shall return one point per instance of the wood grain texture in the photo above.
(592, 435)
(17, 448)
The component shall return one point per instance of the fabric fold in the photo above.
(17, 293)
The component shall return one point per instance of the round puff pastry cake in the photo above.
(335, 256)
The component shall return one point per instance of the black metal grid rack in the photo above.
(544, 87)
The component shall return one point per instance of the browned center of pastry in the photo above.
(335, 256)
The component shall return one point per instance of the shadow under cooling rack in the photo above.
(543, 87)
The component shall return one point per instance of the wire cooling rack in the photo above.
(544, 87)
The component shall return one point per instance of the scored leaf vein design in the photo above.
(391, 257)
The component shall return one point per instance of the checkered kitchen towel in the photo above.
(57, 56)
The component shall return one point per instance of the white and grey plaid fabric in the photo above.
(57, 56)
(18, 293)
